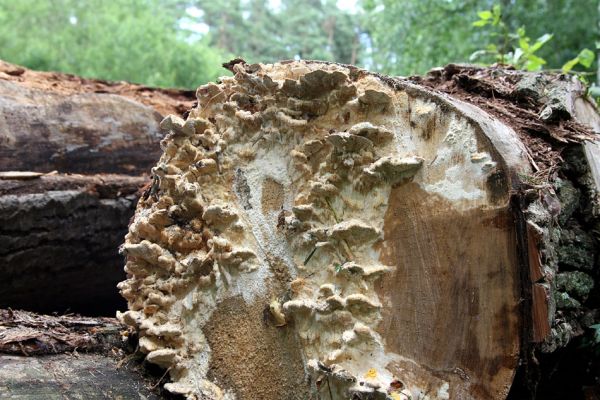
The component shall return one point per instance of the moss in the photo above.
(575, 283)
(576, 249)
(569, 197)
(563, 300)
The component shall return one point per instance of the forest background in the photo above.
(182, 43)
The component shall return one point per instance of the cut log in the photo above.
(311, 230)
(314, 230)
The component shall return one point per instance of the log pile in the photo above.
(311, 230)
(74, 154)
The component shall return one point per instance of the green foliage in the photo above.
(183, 42)
(585, 58)
(412, 36)
(134, 40)
(515, 48)
(307, 29)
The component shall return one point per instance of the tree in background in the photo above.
(411, 36)
(183, 42)
(259, 31)
(134, 40)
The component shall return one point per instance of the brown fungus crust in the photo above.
(264, 261)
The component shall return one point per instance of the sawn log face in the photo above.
(368, 217)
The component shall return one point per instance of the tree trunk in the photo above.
(317, 231)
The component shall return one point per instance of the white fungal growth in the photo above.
(276, 187)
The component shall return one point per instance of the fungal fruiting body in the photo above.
(274, 195)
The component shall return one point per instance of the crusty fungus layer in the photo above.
(273, 192)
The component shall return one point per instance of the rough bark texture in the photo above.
(404, 238)
(59, 232)
(66, 376)
(60, 235)
(29, 334)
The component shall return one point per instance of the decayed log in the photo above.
(65, 376)
(51, 121)
(29, 334)
(60, 235)
(316, 231)
(70, 357)
(374, 236)
(74, 154)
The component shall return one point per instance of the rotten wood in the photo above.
(53, 121)
(59, 238)
(70, 376)
(30, 334)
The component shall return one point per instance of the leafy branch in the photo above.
(518, 49)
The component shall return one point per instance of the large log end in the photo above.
(313, 228)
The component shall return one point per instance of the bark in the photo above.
(74, 154)
(401, 242)
(82, 376)
(60, 236)
(29, 334)
(60, 122)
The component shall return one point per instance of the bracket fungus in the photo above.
(314, 184)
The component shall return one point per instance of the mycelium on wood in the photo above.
(316, 230)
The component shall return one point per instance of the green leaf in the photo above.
(477, 54)
(517, 56)
(586, 57)
(480, 23)
(523, 43)
(534, 63)
(568, 66)
(491, 47)
(497, 13)
(542, 40)
(521, 32)
(485, 14)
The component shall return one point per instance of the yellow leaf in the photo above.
(371, 374)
